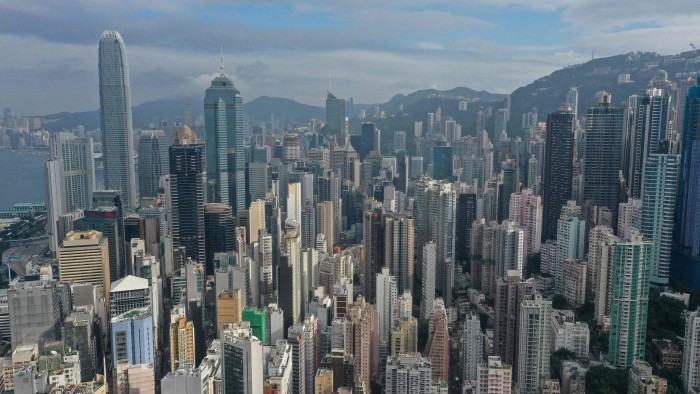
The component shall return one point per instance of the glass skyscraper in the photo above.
(153, 161)
(115, 118)
(223, 122)
(558, 169)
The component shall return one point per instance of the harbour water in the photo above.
(22, 177)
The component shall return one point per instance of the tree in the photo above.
(558, 301)
(604, 380)
(563, 354)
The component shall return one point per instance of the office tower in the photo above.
(182, 344)
(325, 224)
(187, 189)
(110, 222)
(399, 141)
(659, 202)
(294, 201)
(336, 119)
(558, 169)
(329, 190)
(115, 118)
(373, 250)
(387, 300)
(129, 292)
(688, 209)
(257, 318)
(534, 343)
(630, 216)
(573, 276)
(494, 377)
(501, 126)
(398, 249)
(472, 350)
(297, 341)
(510, 293)
(464, 217)
(362, 340)
(526, 211)
(572, 100)
(602, 155)
(568, 334)
(442, 162)
(367, 142)
(80, 333)
(134, 378)
(438, 347)
(571, 240)
(225, 159)
(153, 161)
(257, 220)
(510, 249)
(508, 184)
(257, 181)
(629, 300)
(408, 373)
(648, 125)
(428, 280)
(132, 338)
(267, 290)
(35, 312)
(290, 273)
(691, 352)
(83, 257)
(219, 231)
(229, 306)
(241, 361)
(70, 180)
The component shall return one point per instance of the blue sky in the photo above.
(371, 49)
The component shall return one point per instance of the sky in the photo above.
(366, 49)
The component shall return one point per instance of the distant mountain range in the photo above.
(546, 94)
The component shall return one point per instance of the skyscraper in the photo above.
(691, 352)
(602, 155)
(494, 377)
(398, 249)
(428, 280)
(115, 118)
(387, 299)
(84, 257)
(219, 232)
(242, 360)
(472, 350)
(558, 169)
(629, 300)
(534, 343)
(658, 205)
(442, 162)
(465, 216)
(132, 338)
(572, 100)
(336, 119)
(526, 211)
(35, 312)
(510, 293)
(688, 209)
(225, 157)
(408, 373)
(153, 161)
(571, 242)
(187, 187)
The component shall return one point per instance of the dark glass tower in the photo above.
(367, 139)
(688, 207)
(442, 163)
(466, 214)
(558, 167)
(602, 157)
(219, 232)
(223, 122)
(153, 162)
(187, 179)
(115, 118)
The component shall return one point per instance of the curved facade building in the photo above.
(115, 118)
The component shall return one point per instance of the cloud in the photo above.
(371, 50)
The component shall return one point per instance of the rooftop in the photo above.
(129, 283)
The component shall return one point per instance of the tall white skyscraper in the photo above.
(572, 100)
(691, 352)
(571, 238)
(115, 118)
(629, 300)
(526, 211)
(534, 341)
(386, 309)
(242, 360)
(629, 217)
(659, 202)
(472, 350)
(428, 281)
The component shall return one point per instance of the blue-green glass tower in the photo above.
(223, 123)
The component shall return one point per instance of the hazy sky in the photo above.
(371, 49)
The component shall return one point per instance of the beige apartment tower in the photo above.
(83, 257)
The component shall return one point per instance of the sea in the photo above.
(22, 176)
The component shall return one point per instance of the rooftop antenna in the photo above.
(221, 56)
(329, 83)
